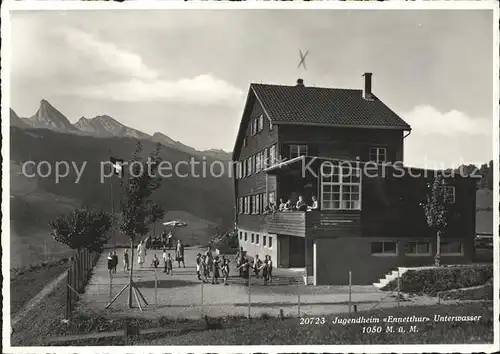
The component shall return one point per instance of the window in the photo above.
(241, 235)
(415, 248)
(384, 248)
(270, 242)
(340, 187)
(265, 158)
(270, 125)
(249, 166)
(298, 150)
(240, 205)
(452, 249)
(244, 141)
(262, 202)
(253, 238)
(243, 169)
(450, 194)
(257, 204)
(272, 155)
(257, 239)
(246, 237)
(264, 240)
(378, 154)
(252, 127)
(260, 123)
(258, 163)
(247, 205)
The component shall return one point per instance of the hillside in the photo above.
(208, 198)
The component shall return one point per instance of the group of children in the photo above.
(208, 267)
(112, 261)
(256, 265)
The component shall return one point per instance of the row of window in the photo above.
(415, 248)
(256, 163)
(341, 188)
(256, 126)
(267, 241)
(254, 204)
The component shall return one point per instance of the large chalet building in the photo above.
(345, 148)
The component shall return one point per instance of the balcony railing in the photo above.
(314, 223)
(287, 223)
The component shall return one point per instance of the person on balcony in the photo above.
(315, 205)
(282, 204)
(301, 204)
(288, 205)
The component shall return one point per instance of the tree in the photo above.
(436, 211)
(82, 228)
(138, 211)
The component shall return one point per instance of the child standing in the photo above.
(257, 263)
(170, 269)
(155, 261)
(115, 261)
(110, 262)
(225, 269)
(269, 269)
(216, 272)
(164, 257)
(126, 266)
(245, 267)
(265, 271)
(198, 266)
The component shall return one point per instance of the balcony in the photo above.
(287, 223)
(315, 223)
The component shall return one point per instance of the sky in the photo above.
(186, 73)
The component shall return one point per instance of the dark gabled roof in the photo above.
(325, 106)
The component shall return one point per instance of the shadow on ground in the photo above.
(165, 283)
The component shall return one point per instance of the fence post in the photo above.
(202, 309)
(110, 292)
(350, 292)
(249, 292)
(73, 282)
(298, 301)
(156, 291)
(68, 295)
(399, 295)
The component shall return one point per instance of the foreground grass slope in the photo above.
(272, 331)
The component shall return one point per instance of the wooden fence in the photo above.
(78, 276)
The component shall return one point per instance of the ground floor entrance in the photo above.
(291, 251)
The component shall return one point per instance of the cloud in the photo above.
(443, 140)
(76, 62)
(428, 120)
(202, 89)
(106, 54)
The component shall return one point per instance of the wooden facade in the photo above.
(391, 201)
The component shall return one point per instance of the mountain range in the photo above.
(102, 126)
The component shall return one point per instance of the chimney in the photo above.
(367, 92)
(300, 82)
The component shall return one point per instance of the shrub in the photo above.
(484, 292)
(433, 280)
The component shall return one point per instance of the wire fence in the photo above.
(285, 296)
(79, 272)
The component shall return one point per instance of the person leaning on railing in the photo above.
(315, 205)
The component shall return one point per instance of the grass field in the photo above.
(272, 331)
(27, 283)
